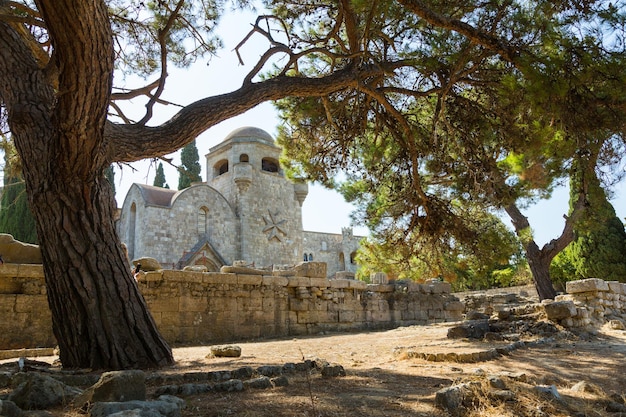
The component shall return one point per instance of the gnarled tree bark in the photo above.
(57, 115)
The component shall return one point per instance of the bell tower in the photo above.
(245, 169)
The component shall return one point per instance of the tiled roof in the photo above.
(156, 196)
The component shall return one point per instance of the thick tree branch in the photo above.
(128, 143)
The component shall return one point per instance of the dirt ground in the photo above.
(381, 382)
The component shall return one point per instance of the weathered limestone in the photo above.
(595, 303)
(148, 264)
(218, 307)
(558, 310)
(14, 251)
(586, 285)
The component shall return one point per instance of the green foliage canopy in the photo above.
(500, 99)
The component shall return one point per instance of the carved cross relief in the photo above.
(273, 226)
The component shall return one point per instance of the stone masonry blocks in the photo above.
(194, 307)
(586, 285)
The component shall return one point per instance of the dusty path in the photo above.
(380, 383)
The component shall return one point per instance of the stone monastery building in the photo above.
(245, 211)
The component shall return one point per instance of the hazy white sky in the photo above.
(323, 210)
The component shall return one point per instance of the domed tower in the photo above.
(245, 169)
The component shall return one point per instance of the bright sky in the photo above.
(323, 210)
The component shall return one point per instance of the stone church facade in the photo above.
(247, 210)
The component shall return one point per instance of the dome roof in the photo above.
(250, 133)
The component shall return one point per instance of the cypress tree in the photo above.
(600, 244)
(109, 173)
(189, 169)
(159, 178)
(15, 216)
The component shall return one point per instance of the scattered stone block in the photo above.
(496, 382)
(451, 398)
(502, 395)
(9, 409)
(586, 285)
(262, 382)
(38, 392)
(617, 287)
(148, 264)
(559, 310)
(229, 386)
(226, 351)
(333, 371)
(549, 391)
(16, 252)
(195, 268)
(280, 381)
(344, 275)
(242, 270)
(115, 386)
(476, 315)
(473, 329)
(303, 269)
(270, 370)
(166, 406)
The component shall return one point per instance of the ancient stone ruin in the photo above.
(238, 303)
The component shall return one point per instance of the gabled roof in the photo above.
(156, 196)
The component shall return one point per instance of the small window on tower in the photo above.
(269, 165)
(353, 258)
(244, 158)
(221, 167)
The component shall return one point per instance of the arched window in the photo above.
(353, 258)
(220, 168)
(342, 262)
(244, 158)
(310, 257)
(269, 165)
(203, 221)
(306, 258)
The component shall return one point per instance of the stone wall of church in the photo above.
(164, 233)
(194, 307)
(270, 215)
(272, 221)
(336, 250)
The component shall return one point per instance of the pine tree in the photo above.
(189, 169)
(159, 178)
(15, 216)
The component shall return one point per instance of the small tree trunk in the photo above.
(100, 318)
(538, 259)
(539, 264)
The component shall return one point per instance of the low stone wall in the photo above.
(25, 319)
(237, 304)
(497, 299)
(194, 307)
(589, 303)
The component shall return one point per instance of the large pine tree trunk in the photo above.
(57, 115)
(100, 318)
